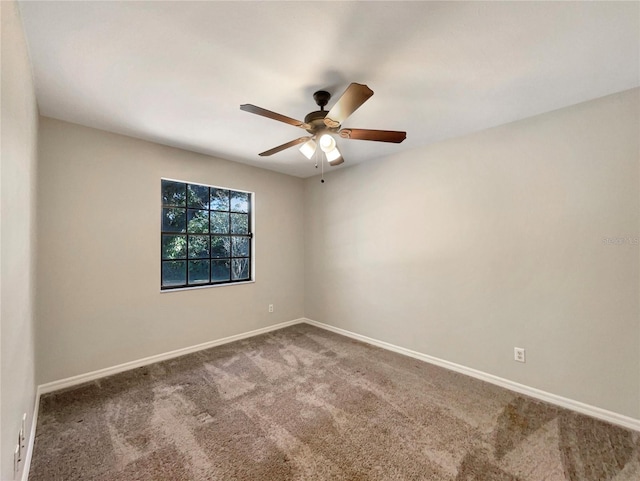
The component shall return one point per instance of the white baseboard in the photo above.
(93, 375)
(593, 411)
(32, 438)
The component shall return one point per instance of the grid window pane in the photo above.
(174, 246)
(173, 193)
(174, 220)
(220, 246)
(197, 221)
(239, 223)
(219, 199)
(220, 270)
(240, 268)
(219, 223)
(174, 273)
(239, 246)
(197, 196)
(239, 202)
(198, 246)
(205, 235)
(198, 272)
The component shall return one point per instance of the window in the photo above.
(206, 235)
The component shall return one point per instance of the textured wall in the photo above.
(467, 248)
(99, 299)
(17, 235)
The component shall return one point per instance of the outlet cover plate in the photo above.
(519, 354)
(16, 459)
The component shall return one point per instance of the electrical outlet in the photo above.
(270, 307)
(518, 354)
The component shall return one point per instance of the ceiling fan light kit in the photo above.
(332, 155)
(308, 149)
(322, 124)
(336, 160)
(327, 143)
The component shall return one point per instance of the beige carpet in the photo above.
(306, 404)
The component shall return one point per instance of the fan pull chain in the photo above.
(315, 155)
(318, 156)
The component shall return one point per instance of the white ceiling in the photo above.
(177, 72)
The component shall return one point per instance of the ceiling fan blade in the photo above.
(273, 115)
(378, 135)
(352, 98)
(279, 148)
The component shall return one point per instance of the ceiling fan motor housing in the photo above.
(316, 119)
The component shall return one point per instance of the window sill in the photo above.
(191, 288)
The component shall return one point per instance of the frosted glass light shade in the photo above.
(308, 149)
(327, 143)
(333, 155)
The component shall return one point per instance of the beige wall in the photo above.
(460, 250)
(17, 235)
(465, 249)
(99, 299)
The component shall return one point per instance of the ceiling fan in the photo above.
(322, 124)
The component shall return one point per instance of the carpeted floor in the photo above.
(306, 404)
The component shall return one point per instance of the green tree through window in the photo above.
(206, 235)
